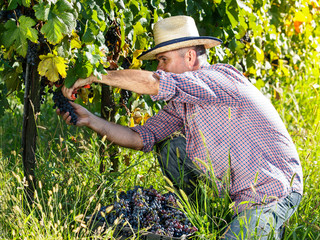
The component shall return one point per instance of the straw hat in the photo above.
(174, 33)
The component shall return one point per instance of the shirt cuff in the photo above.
(147, 138)
(167, 86)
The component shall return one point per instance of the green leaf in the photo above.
(11, 78)
(88, 36)
(232, 11)
(101, 23)
(122, 28)
(93, 55)
(61, 21)
(71, 78)
(17, 34)
(3, 99)
(120, 4)
(141, 42)
(26, 3)
(42, 11)
(84, 69)
(128, 17)
(12, 4)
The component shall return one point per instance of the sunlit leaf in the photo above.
(52, 66)
(232, 10)
(17, 34)
(26, 3)
(42, 11)
(61, 21)
(259, 54)
(136, 63)
(71, 78)
(75, 41)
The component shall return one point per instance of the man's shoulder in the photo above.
(217, 66)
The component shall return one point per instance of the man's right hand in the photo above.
(81, 82)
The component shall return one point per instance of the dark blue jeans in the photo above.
(176, 165)
(261, 222)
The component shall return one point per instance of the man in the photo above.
(223, 118)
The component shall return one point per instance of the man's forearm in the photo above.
(139, 81)
(118, 134)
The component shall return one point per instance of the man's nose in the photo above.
(160, 67)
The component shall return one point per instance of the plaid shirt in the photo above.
(218, 105)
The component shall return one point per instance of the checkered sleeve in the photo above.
(159, 127)
(211, 84)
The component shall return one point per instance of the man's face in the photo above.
(172, 61)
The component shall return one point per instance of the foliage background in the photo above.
(275, 43)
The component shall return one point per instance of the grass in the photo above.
(70, 185)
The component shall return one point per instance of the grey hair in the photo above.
(199, 49)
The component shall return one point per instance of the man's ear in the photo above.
(191, 58)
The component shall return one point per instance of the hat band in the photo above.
(177, 40)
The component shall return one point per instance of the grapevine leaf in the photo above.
(18, 34)
(61, 21)
(26, 3)
(128, 17)
(75, 41)
(88, 36)
(232, 10)
(12, 4)
(53, 1)
(51, 66)
(120, 4)
(259, 54)
(101, 23)
(141, 41)
(71, 78)
(136, 63)
(42, 11)
(92, 55)
(3, 99)
(84, 69)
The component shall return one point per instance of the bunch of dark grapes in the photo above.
(62, 103)
(112, 37)
(148, 209)
(32, 53)
(9, 14)
(78, 26)
(125, 96)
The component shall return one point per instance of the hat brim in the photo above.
(174, 44)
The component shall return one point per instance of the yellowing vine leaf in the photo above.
(75, 40)
(51, 66)
(84, 94)
(136, 63)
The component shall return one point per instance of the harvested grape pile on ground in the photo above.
(148, 209)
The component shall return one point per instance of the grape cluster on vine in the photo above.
(62, 103)
(148, 209)
(6, 15)
(32, 53)
(112, 37)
